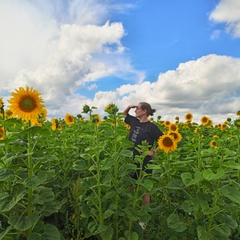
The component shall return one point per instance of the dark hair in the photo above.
(147, 106)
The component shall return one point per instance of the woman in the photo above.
(142, 130)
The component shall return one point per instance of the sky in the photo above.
(178, 55)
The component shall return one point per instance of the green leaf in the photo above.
(209, 175)
(148, 184)
(203, 234)
(188, 180)
(206, 209)
(22, 223)
(44, 195)
(231, 193)
(223, 230)
(228, 220)
(7, 202)
(131, 235)
(232, 165)
(6, 175)
(50, 232)
(107, 233)
(3, 234)
(174, 222)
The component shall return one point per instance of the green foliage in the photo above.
(76, 183)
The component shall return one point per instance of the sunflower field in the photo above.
(71, 179)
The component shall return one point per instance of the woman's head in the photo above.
(146, 106)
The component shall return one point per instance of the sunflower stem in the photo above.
(30, 175)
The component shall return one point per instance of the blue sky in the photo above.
(179, 55)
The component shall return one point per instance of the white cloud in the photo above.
(58, 56)
(227, 11)
(209, 86)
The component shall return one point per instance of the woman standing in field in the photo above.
(142, 130)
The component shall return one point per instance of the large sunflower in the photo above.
(167, 143)
(26, 104)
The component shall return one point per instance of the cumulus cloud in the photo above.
(59, 56)
(227, 11)
(209, 86)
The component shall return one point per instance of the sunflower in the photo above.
(59, 126)
(26, 104)
(238, 113)
(204, 120)
(8, 113)
(111, 108)
(189, 117)
(213, 144)
(173, 127)
(69, 119)
(224, 126)
(167, 123)
(127, 126)
(1, 133)
(176, 135)
(167, 143)
(95, 118)
(1, 103)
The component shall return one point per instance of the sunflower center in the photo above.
(167, 142)
(27, 104)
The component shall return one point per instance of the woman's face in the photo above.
(139, 111)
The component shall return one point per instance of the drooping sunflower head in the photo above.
(189, 117)
(238, 113)
(69, 119)
(204, 120)
(26, 104)
(167, 143)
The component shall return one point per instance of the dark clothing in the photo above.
(139, 132)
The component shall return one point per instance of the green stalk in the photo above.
(30, 175)
(215, 197)
(98, 165)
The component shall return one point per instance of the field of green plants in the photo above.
(71, 179)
